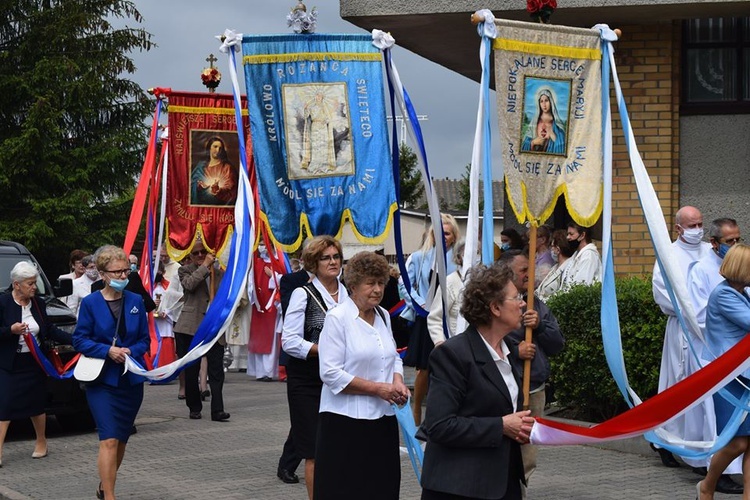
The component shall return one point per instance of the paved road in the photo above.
(173, 457)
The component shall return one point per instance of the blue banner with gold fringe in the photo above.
(318, 122)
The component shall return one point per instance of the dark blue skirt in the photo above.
(114, 408)
(724, 408)
(23, 391)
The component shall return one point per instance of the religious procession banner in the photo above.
(317, 115)
(549, 100)
(203, 170)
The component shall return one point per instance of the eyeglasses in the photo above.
(118, 272)
(517, 298)
(732, 241)
(328, 258)
(200, 252)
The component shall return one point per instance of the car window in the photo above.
(7, 262)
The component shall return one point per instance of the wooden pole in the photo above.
(529, 307)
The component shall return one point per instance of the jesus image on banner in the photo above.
(546, 106)
(318, 130)
(213, 178)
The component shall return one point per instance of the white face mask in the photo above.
(555, 253)
(692, 236)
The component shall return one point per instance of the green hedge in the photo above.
(580, 375)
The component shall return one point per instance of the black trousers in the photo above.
(289, 459)
(215, 359)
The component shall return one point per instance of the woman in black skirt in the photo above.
(420, 266)
(22, 380)
(357, 455)
(303, 322)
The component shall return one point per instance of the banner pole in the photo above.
(529, 307)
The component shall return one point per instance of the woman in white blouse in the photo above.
(303, 323)
(357, 454)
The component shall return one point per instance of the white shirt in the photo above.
(454, 297)
(703, 277)
(350, 347)
(685, 254)
(28, 318)
(81, 289)
(293, 332)
(505, 369)
(586, 267)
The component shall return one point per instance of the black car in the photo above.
(65, 398)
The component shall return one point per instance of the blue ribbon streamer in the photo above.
(409, 430)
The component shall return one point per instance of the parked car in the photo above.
(66, 400)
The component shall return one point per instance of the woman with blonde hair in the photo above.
(112, 324)
(420, 266)
(727, 323)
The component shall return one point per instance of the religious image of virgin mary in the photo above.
(545, 133)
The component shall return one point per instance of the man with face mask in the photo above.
(686, 249)
(702, 277)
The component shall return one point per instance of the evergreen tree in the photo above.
(72, 131)
(464, 193)
(410, 183)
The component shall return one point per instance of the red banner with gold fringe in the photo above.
(203, 170)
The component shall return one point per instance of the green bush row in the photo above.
(580, 375)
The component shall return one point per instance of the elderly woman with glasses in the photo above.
(357, 453)
(22, 391)
(472, 427)
(303, 323)
(112, 324)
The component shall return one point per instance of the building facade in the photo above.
(685, 73)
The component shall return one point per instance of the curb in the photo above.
(8, 494)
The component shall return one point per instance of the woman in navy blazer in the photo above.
(112, 324)
(22, 392)
(727, 322)
(473, 431)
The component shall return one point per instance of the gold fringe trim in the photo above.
(304, 222)
(544, 49)
(195, 110)
(523, 213)
(313, 56)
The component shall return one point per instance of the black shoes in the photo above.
(195, 415)
(100, 492)
(725, 484)
(205, 394)
(265, 379)
(287, 476)
(220, 416)
(666, 457)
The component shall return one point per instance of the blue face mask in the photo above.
(723, 249)
(505, 247)
(133, 267)
(118, 285)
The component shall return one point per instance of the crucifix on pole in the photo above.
(211, 76)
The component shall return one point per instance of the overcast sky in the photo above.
(184, 31)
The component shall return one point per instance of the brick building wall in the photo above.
(648, 66)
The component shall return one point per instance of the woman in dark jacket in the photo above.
(22, 380)
(473, 430)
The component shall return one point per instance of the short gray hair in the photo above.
(23, 270)
(715, 231)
